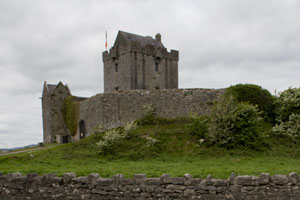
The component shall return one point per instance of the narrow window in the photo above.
(156, 67)
(117, 88)
(116, 67)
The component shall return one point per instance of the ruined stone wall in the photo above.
(279, 187)
(118, 108)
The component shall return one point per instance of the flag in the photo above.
(106, 40)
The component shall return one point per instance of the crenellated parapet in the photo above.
(137, 48)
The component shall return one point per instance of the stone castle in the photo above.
(138, 71)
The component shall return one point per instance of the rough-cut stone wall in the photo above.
(136, 67)
(279, 187)
(52, 103)
(118, 108)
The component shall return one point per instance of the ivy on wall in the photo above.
(71, 113)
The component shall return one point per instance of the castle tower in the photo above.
(138, 62)
(53, 98)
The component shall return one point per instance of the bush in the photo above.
(109, 139)
(255, 95)
(290, 128)
(149, 115)
(288, 103)
(198, 126)
(235, 125)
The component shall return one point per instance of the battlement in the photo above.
(138, 48)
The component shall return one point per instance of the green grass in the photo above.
(176, 153)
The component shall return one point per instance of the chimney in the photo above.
(158, 37)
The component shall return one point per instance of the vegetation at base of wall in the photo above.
(70, 112)
(255, 95)
(176, 152)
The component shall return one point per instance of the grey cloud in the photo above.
(220, 43)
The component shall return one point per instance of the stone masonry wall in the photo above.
(118, 108)
(31, 187)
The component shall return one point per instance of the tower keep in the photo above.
(138, 62)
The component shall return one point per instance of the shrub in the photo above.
(255, 95)
(109, 139)
(288, 103)
(289, 128)
(149, 115)
(198, 126)
(235, 125)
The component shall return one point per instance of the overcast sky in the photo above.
(220, 43)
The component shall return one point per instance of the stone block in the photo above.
(189, 192)
(187, 179)
(176, 187)
(264, 179)
(31, 177)
(152, 181)
(139, 179)
(279, 179)
(163, 178)
(104, 182)
(68, 177)
(293, 177)
(117, 179)
(246, 180)
(219, 182)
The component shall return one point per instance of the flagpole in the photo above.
(106, 40)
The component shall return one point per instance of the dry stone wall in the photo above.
(278, 187)
(118, 108)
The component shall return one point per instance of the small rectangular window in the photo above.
(156, 67)
(116, 67)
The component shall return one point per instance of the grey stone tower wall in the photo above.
(52, 104)
(118, 108)
(46, 113)
(137, 67)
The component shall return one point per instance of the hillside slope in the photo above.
(166, 146)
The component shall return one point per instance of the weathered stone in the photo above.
(175, 187)
(152, 181)
(67, 177)
(31, 177)
(187, 179)
(231, 178)
(220, 182)
(175, 180)
(139, 179)
(163, 178)
(293, 177)
(264, 179)
(279, 179)
(92, 177)
(11, 176)
(48, 178)
(117, 179)
(189, 192)
(104, 182)
(246, 180)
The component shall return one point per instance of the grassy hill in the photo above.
(165, 146)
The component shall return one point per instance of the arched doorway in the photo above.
(82, 129)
